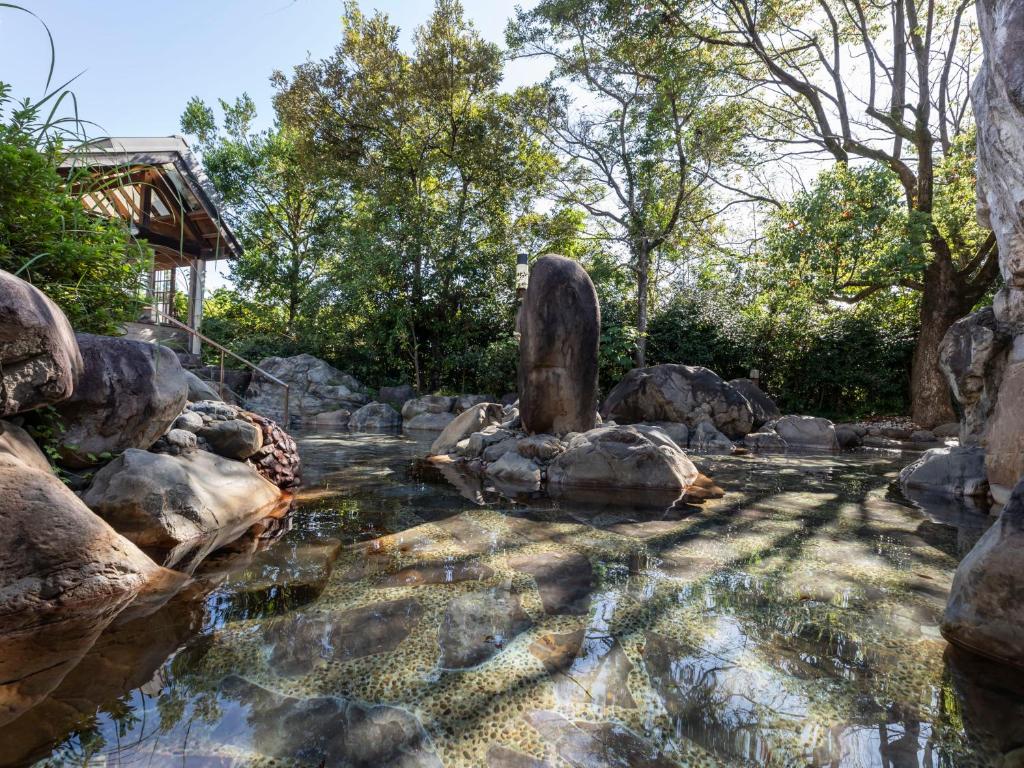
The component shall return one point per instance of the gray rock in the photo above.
(490, 435)
(513, 468)
(429, 422)
(957, 472)
(682, 393)
(764, 442)
(1004, 433)
(540, 447)
(427, 404)
(127, 396)
(923, 436)
(338, 419)
(985, 611)
(762, 406)
(972, 355)
(188, 420)
(808, 432)
(162, 501)
(495, 451)
(214, 410)
(848, 437)
(176, 442)
(679, 433)
(397, 396)
(464, 402)
(234, 439)
(199, 389)
(59, 561)
(560, 323)
(621, 457)
(478, 625)
(315, 385)
(469, 420)
(707, 439)
(39, 356)
(375, 417)
(952, 429)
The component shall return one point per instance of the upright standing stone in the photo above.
(560, 323)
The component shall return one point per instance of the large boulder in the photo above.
(762, 406)
(511, 467)
(682, 393)
(429, 422)
(621, 457)
(985, 611)
(232, 439)
(315, 387)
(1004, 435)
(375, 417)
(164, 502)
(807, 432)
(972, 356)
(39, 357)
(470, 420)
(418, 406)
(560, 326)
(199, 389)
(57, 559)
(956, 471)
(127, 396)
(396, 396)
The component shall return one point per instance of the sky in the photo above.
(138, 62)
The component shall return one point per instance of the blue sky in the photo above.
(141, 61)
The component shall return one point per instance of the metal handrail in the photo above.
(225, 351)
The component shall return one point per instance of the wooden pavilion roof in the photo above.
(156, 185)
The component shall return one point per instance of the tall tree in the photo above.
(444, 170)
(641, 124)
(285, 213)
(881, 82)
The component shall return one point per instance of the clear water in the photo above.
(405, 620)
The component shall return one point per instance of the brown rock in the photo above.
(39, 357)
(560, 323)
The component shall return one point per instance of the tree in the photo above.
(641, 124)
(285, 214)
(88, 264)
(443, 170)
(885, 83)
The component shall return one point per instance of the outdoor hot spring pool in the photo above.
(400, 619)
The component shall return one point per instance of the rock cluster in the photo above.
(315, 387)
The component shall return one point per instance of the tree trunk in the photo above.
(643, 272)
(941, 306)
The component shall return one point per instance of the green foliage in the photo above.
(87, 264)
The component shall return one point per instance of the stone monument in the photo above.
(560, 327)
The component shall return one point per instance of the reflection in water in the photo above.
(406, 616)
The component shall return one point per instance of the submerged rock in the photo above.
(584, 744)
(985, 611)
(478, 625)
(163, 501)
(560, 323)
(565, 580)
(302, 641)
(682, 393)
(621, 457)
(129, 393)
(322, 730)
(589, 670)
(39, 356)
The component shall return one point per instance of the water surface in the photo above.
(402, 619)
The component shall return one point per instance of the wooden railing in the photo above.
(164, 317)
